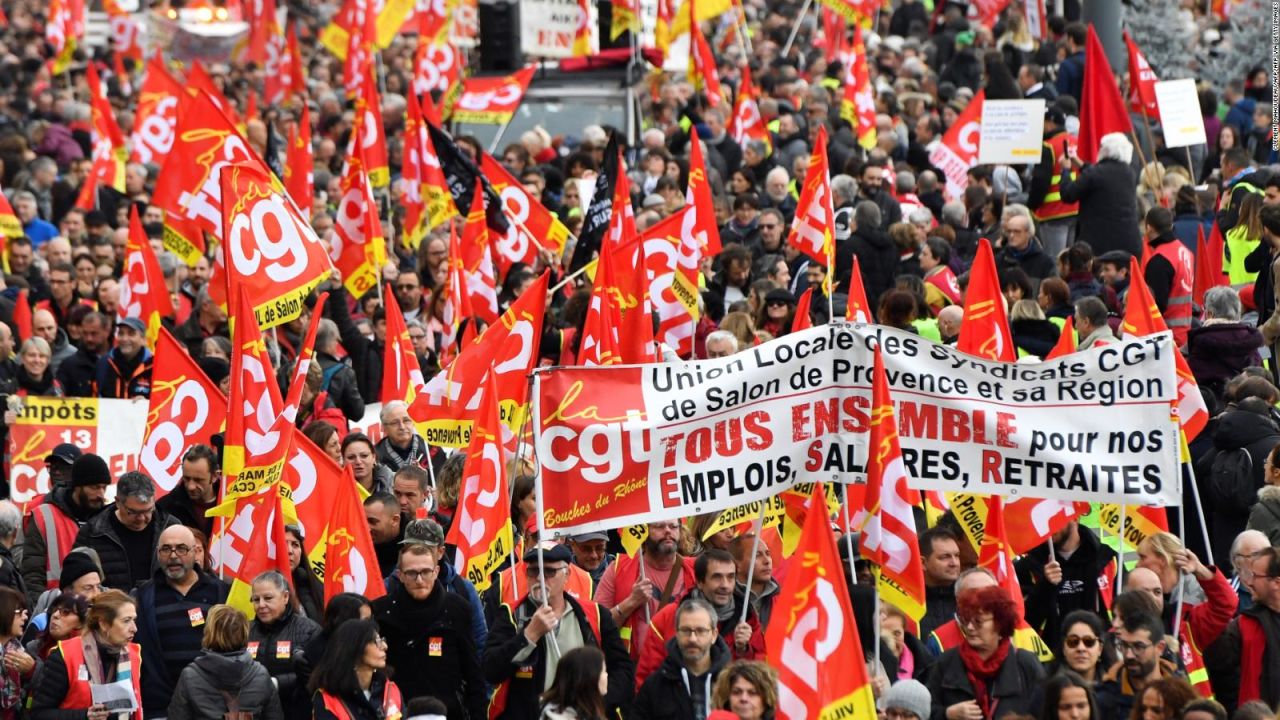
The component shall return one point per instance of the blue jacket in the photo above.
(1240, 115)
(1185, 227)
(1071, 76)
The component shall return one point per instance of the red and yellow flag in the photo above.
(812, 640)
(457, 307)
(401, 374)
(889, 535)
(857, 309)
(541, 227)
(185, 408)
(984, 331)
(635, 335)
(358, 249)
(143, 292)
(703, 74)
(157, 113)
(746, 123)
(625, 18)
(252, 542)
(257, 438)
(306, 355)
(599, 344)
(299, 165)
(698, 197)
(350, 563)
(109, 151)
(811, 230)
(582, 35)
(511, 347)
(367, 135)
(477, 260)
(482, 528)
(388, 17)
(858, 104)
(412, 176)
(63, 31)
(10, 225)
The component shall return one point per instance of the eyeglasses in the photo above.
(532, 571)
(973, 622)
(1073, 641)
(769, 226)
(694, 632)
(400, 423)
(417, 575)
(777, 303)
(145, 512)
(1124, 648)
(179, 550)
(417, 337)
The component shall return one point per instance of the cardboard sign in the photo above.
(548, 27)
(1012, 132)
(1180, 117)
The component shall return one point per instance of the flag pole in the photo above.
(751, 560)
(848, 537)
(1204, 526)
(1120, 546)
(542, 526)
(1177, 615)
(570, 277)
(795, 29)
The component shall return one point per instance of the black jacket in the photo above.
(1046, 603)
(9, 574)
(1011, 692)
(431, 650)
(877, 257)
(939, 608)
(358, 706)
(344, 387)
(279, 648)
(1217, 352)
(160, 674)
(365, 354)
(665, 694)
(178, 504)
(199, 694)
(76, 374)
(1108, 217)
(1034, 336)
(1032, 260)
(101, 535)
(506, 639)
(193, 335)
(1235, 430)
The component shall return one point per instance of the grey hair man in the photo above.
(126, 533)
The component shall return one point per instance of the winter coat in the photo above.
(161, 665)
(76, 374)
(1224, 658)
(1265, 515)
(665, 694)
(357, 705)
(939, 608)
(100, 535)
(1036, 337)
(431, 651)
(365, 354)
(1219, 351)
(1236, 430)
(663, 627)
(1046, 603)
(278, 646)
(876, 256)
(1071, 78)
(1108, 218)
(344, 390)
(1032, 260)
(199, 694)
(120, 378)
(1011, 690)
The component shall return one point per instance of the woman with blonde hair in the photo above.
(1033, 334)
(224, 681)
(742, 327)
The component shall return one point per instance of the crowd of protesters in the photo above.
(96, 593)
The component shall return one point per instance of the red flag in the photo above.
(746, 124)
(984, 331)
(253, 542)
(157, 114)
(256, 441)
(1142, 81)
(143, 292)
(582, 36)
(492, 100)
(357, 247)
(1208, 263)
(481, 530)
(125, 42)
(622, 217)
(477, 261)
(702, 62)
(198, 80)
(1066, 341)
(857, 308)
(858, 105)
(812, 640)
(401, 374)
(263, 28)
(599, 344)
(995, 554)
(185, 408)
(635, 334)
(350, 562)
(1142, 317)
(368, 137)
(299, 165)
(22, 316)
(889, 535)
(447, 404)
(302, 364)
(802, 320)
(10, 225)
(109, 152)
(671, 257)
(1102, 111)
(811, 229)
(958, 150)
(413, 174)
(698, 196)
(541, 227)
(359, 63)
(457, 306)
(1029, 521)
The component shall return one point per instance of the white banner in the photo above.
(625, 445)
(548, 27)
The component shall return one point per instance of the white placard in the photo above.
(1012, 132)
(548, 27)
(1180, 117)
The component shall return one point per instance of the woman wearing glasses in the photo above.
(16, 666)
(1084, 649)
(278, 635)
(224, 680)
(351, 681)
(985, 677)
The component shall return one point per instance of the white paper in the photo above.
(1012, 132)
(1180, 117)
(116, 697)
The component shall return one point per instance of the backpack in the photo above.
(1231, 486)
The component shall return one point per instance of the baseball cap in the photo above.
(423, 532)
(588, 537)
(550, 553)
(132, 322)
(66, 452)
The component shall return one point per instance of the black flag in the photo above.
(461, 174)
(596, 222)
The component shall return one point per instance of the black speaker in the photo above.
(604, 22)
(500, 36)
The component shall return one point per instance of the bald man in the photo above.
(949, 319)
(172, 608)
(44, 325)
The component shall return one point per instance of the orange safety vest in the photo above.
(392, 703)
(626, 574)
(498, 704)
(79, 696)
(579, 584)
(59, 533)
(1177, 314)
(1193, 659)
(1053, 207)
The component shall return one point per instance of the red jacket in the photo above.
(663, 627)
(1208, 619)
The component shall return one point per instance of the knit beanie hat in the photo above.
(909, 695)
(89, 469)
(76, 565)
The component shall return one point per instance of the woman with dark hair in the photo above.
(358, 452)
(351, 683)
(1067, 696)
(1055, 298)
(65, 618)
(1163, 699)
(278, 634)
(523, 502)
(940, 285)
(326, 437)
(309, 589)
(224, 679)
(963, 682)
(1084, 649)
(16, 666)
(103, 654)
(577, 692)
(897, 310)
(342, 608)
(1000, 84)
(748, 689)
(776, 313)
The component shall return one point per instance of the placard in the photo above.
(1012, 132)
(1180, 117)
(548, 27)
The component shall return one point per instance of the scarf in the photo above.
(11, 680)
(982, 672)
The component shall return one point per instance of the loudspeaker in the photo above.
(500, 36)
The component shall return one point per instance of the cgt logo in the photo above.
(599, 439)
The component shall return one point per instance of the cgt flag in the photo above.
(185, 408)
(481, 530)
(812, 641)
(984, 331)
(350, 563)
(811, 229)
(143, 292)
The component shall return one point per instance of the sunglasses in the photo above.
(1073, 641)
(778, 303)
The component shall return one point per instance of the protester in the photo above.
(581, 681)
(51, 528)
(682, 686)
(352, 680)
(1067, 696)
(126, 533)
(278, 635)
(223, 679)
(748, 689)
(104, 653)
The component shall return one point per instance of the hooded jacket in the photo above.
(199, 694)
(1236, 430)
(668, 693)
(1265, 515)
(1218, 351)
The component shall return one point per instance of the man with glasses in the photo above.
(172, 608)
(400, 446)
(429, 640)
(1247, 546)
(1139, 642)
(1242, 664)
(126, 533)
(694, 657)
(528, 638)
(1022, 250)
(634, 593)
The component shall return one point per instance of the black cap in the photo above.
(550, 553)
(778, 295)
(66, 453)
(1055, 115)
(215, 368)
(75, 566)
(90, 470)
(1119, 258)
